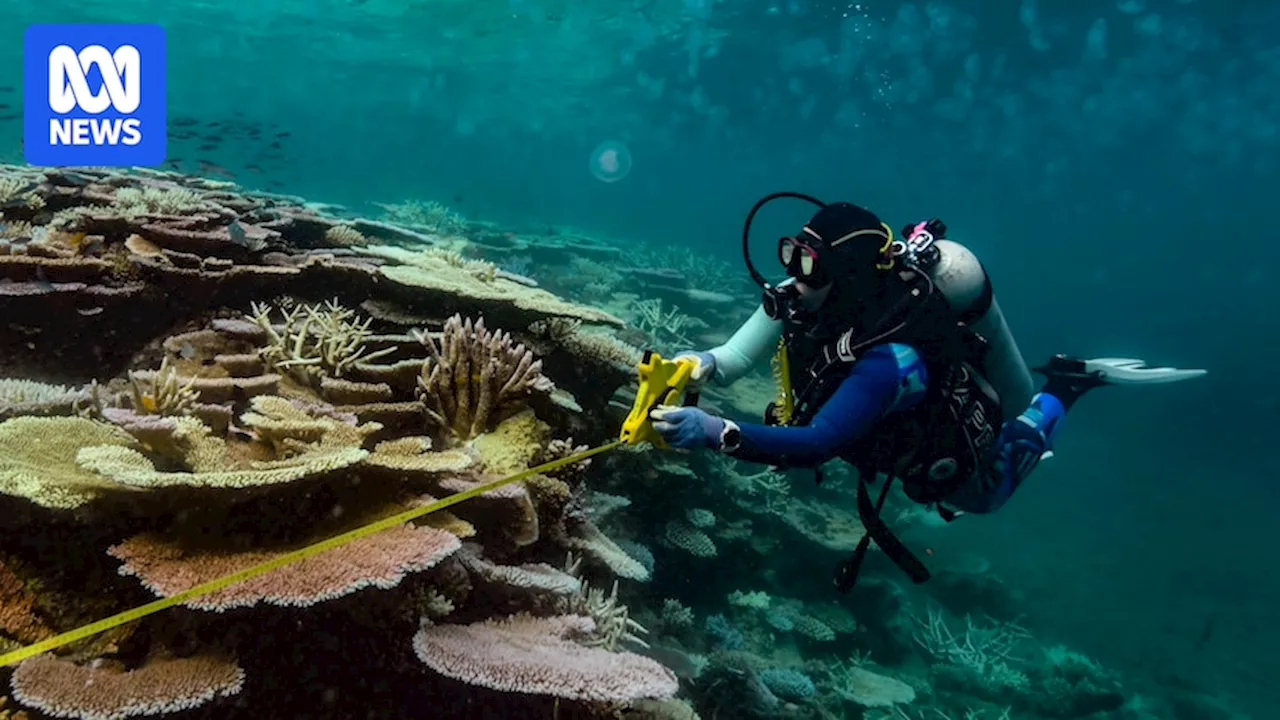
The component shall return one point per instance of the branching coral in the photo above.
(162, 393)
(612, 619)
(475, 378)
(315, 341)
(983, 656)
(669, 327)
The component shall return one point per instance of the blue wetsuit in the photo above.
(892, 378)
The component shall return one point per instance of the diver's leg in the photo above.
(1022, 444)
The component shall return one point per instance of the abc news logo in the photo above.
(94, 95)
(69, 90)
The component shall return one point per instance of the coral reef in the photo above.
(196, 379)
(201, 379)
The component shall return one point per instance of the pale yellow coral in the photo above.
(162, 393)
(413, 456)
(129, 467)
(514, 444)
(289, 428)
(344, 235)
(591, 541)
(427, 271)
(136, 202)
(476, 378)
(38, 459)
(315, 341)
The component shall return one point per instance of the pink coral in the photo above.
(61, 688)
(535, 655)
(379, 560)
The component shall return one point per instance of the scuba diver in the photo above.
(892, 354)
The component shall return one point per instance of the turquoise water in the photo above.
(1113, 163)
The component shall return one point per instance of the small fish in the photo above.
(4, 106)
(184, 122)
(6, 88)
(207, 147)
(8, 117)
(275, 145)
(284, 134)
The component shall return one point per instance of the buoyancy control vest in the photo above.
(946, 440)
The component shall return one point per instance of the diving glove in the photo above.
(1070, 378)
(704, 365)
(687, 428)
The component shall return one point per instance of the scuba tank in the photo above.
(959, 276)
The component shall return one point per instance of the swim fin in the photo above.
(1113, 371)
(1132, 371)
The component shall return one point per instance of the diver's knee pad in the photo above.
(960, 277)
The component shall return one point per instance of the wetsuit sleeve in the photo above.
(886, 379)
(753, 342)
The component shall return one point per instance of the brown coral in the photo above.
(475, 378)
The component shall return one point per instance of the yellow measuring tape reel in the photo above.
(662, 382)
(659, 380)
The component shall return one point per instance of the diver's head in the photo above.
(841, 243)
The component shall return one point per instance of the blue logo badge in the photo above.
(94, 95)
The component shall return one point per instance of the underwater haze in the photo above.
(1113, 163)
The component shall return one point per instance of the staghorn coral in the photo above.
(675, 615)
(523, 654)
(613, 623)
(474, 378)
(314, 341)
(102, 692)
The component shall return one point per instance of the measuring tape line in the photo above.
(262, 568)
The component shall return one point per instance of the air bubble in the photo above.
(610, 161)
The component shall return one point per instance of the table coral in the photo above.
(538, 656)
(380, 560)
(93, 692)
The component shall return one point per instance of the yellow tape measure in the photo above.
(263, 568)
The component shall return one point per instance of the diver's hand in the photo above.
(687, 427)
(704, 365)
